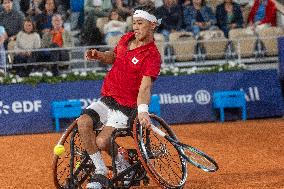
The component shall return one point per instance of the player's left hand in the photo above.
(144, 119)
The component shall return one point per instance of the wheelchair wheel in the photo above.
(73, 167)
(158, 156)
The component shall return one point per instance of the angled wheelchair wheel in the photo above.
(158, 156)
(73, 167)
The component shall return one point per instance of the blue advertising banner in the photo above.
(184, 99)
(281, 57)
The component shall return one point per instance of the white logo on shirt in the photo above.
(134, 60)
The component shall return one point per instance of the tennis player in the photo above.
(136, 64)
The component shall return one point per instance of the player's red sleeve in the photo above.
(152, 65)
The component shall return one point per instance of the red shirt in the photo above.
(124, 79)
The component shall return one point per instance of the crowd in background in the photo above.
(35, 24)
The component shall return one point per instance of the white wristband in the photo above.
(143, 108)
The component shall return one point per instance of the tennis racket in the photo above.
(189, 153)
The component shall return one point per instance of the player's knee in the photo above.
(85, 123)
(103, 142)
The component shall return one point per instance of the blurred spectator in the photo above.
(56, 38)
(125, 7)
(93, 9)
(3, 37)
(62, 8)
(16, 5)
(33, 8)
(11, 20)
(43, 21)
(76, 13)
(279, 6)
(229, 16)
(244, 2)
(27, 39)
(199, 17)
(115, 25)
(171, 15)
(97, 8)
(262, 14)
(186, 3)
(158, 3)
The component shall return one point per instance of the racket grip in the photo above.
(157, 131)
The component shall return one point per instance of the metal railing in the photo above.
(254, 58)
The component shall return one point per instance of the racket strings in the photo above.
(199, 159)
(166, 162)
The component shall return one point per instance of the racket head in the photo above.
(198, 158)
(161, 159)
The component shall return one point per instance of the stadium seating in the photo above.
(271, 43)
(160, 42)
(214, 43)
(243, 41)
(183, 44)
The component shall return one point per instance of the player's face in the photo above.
(142, 28)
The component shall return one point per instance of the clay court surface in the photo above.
(250, 155)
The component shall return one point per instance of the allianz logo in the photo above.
(203, 97)
(20, 107)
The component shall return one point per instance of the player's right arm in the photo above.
(106, 57)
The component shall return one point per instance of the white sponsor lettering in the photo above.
(175, 99)
(26, 106)
(252, 94)
(86, 101)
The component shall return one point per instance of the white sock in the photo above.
(121, 163)
(99, 163)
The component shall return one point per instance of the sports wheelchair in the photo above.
(158, 154)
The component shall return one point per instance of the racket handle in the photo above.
(157, 131)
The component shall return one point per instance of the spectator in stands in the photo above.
(229, 16)
(76, 13)
(63, 7)
(115, 25)
(262, 14)
(44, 20)
(171, 15)
(11, 20)
(158, 3)
(94, 9)
(3, 37)
(279, 6)
(186, 3)
(27, 39)
(16, 5)
(97, 8)
(198, 17)
(125, 7)
(32, 9)
(56, 38)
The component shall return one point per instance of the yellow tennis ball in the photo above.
(78, 164)
(58, 149)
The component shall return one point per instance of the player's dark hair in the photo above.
(148, 7)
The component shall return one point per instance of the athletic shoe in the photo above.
(98, 181)
(122, 165)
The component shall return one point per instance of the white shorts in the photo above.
(108, 116)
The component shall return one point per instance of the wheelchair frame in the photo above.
(78, 176)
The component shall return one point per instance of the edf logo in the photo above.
(20, 107)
